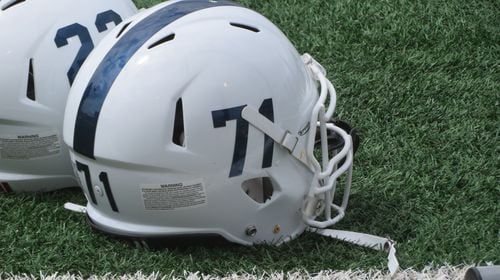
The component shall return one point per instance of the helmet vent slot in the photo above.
(123, 29)
(244, 26)
(162, 41)
(10, 4)
(178, 136)
(258, 189)
(30, 90)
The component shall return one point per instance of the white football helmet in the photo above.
(199, 117)
(43, 43)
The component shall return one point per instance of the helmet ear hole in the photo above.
(258, 189)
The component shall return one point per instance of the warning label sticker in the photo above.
(173, 196)
(29, 146)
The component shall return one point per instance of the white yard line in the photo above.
(441, 273)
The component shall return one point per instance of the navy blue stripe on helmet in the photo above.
(114, 61)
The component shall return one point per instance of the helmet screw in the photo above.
(319, 207)
(251, 231)
(98, 190)
(276, 229)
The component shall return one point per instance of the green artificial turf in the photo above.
(421, 82)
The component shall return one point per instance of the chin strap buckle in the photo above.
(279, 135)
(365, 240)
(75, 208)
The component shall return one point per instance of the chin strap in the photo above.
(278, 134)
(366, 240)
(341, 139)
(281, 136)
(361, 239)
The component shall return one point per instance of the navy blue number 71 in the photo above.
(220, 117)
(83, 34)
(103, 177)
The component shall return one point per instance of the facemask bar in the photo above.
(324, 183)
(323, 186)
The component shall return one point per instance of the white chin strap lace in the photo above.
(319, 202)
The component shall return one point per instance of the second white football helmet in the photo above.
(43, 43)
(199, 117)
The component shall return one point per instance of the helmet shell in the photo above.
(200, 62)
(43, 46)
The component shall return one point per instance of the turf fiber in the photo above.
(421, 82)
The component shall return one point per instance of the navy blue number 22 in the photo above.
(83, 34)
(220, 117)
